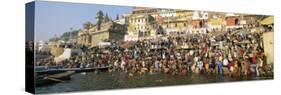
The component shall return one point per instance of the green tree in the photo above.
(152, 22)
(151, 19)
(99, 19)
(106, 18)
(69, 35)
(87, 25)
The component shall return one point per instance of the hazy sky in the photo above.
(54, 18)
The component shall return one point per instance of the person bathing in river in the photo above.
(157, 65)
(219, 67)
(225, 66)
(206, 65)
(200, 65)
(123, 65)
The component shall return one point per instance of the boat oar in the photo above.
(54, 79)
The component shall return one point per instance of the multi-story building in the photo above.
(124, 20)
(199, 22)
(162, 21)
(140, 26)
(109, 31)
(216, 21)
(232, 21)
(146, 22)
(174, 27)
(177, 22)
(251, 20)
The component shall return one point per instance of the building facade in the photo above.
(110, 31)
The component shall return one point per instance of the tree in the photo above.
(87, 25)
(99, 18)
(160, 30)
(72, 34)
(117, 17)
(151, 20)
(106, 18)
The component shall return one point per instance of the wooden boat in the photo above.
(60, 70)
(62, 76)
(54, 78)
(44, 69)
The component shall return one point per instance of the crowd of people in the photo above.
(232, 53)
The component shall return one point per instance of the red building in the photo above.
(198, 23)
(232, 20)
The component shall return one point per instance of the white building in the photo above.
(167, 13)
(42, 46)
(124, 19)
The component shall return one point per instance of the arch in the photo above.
(200, 24)
(236, 21)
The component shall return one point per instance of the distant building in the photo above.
(42, 46)
(175, 27)
(169, 22)
(199, 22)
(177, 22)
(167, 13)
(144, 10)
(233, 21)
(148, 23)
(250, 21)
(124, 20)
(111, 31)
(216, 21)
(199, 19)
(140, 27)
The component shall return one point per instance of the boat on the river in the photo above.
(42, 80)
(53, 70)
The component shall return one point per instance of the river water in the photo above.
(117, 80)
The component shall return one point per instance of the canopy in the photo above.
(267, 21)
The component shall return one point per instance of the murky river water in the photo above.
(105, 80)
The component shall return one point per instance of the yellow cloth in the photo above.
(268, 20)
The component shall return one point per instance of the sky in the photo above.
(52, 19)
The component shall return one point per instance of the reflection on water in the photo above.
(105, 80)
